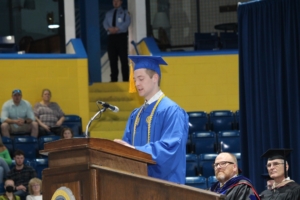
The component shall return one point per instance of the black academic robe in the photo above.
(237, 188)
(290, 191)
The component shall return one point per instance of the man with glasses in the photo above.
(17, 116)
(277, 166)
(230, 183)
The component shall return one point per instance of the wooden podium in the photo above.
(100, 169)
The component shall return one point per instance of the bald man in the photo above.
(234, 186)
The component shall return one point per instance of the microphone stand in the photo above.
(88, 125)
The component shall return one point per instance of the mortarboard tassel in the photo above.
(132, 88)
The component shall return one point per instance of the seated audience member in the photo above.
(277, 166)
(4, 153)
(231, 184)
(21, 174)
(35, 189)
(9, 187)
(48, 114)
(66, 133)
(269, 180)
(5, 161)
(17, 116)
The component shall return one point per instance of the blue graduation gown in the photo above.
(167, 146)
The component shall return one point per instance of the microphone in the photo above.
(110, 107)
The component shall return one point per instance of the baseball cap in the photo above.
(16, 91)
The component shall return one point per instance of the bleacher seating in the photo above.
(8, 143)
(205, 164)
(229, 40)
(191, 165)
(198, 121)
(7, 44)
(39, 165)
(196, 181)
(239, 159)
(237, 120)
(73, 122)
(229, 141)
(211, 180)
(206, 41)
(204, 142)
(27, 162)
(28, 144)
(221, 120)
(45, 139)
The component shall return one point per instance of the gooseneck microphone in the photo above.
(110, 107)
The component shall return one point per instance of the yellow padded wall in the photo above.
(66, 78)
(200, 83)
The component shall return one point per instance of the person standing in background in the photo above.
(116, 24)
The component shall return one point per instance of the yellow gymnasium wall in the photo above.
(200, 83)
(66, 78)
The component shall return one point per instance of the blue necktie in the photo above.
(114, 18)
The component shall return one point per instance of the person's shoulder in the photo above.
(54, 104)
(293, 185)
(8, 102)
(37, 104)
(168, 104)
(29, 197)
(135, 111)
(28, 168)
(25, 102)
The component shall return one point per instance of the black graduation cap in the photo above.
(273, 154)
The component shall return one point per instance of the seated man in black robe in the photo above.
(283, 187)
(234, 186)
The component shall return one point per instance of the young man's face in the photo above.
(145, 85)
(19, 159)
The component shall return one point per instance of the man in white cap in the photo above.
(160, 126)
(17, 116)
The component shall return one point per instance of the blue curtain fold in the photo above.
(269, 81)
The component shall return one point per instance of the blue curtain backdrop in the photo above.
(269, 79)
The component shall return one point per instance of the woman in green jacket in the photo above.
(5, 161)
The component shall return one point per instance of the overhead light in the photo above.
(53, 26)
(50, 21)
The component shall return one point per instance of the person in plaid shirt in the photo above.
(21, 174)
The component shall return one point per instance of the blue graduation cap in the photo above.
(148, 62)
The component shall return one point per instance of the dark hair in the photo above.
(19, 152)
(44, 90)
(65, 129)
(151, 73)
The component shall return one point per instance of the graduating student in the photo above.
(160, 126)
(277, 166)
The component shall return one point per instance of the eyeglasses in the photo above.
(275, 164)
(35, 185)
(221, 164)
